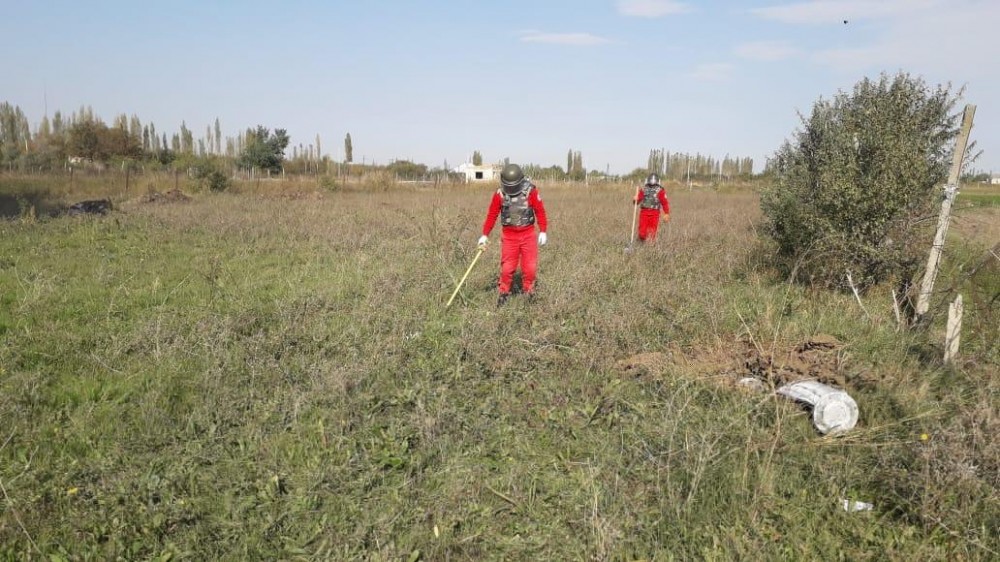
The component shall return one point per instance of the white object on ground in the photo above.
(834, 411)
(751, 383)
(855, 505)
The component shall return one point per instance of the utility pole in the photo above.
(950, 191)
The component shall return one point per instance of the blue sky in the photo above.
(432, 81)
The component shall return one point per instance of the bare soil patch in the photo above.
(820, 358)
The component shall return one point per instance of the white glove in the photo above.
(483, 240)
(542, 238)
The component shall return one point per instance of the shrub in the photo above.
(211, 177)
(217, 181)
(852, 186)
(329, 183)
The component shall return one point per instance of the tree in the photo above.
(264, 149)
(186, 140)
(656, 164)
(124, 139)
(535, 171)
(477, 158)
(348, 149)
(404, 169)
(218, 137)
(14, 133)
(574, 165)
(853, 183)
(58, 125)
(85, 140)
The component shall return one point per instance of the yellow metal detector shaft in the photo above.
(467, 272)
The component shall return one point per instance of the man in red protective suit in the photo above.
(652, 200)
(519, 207)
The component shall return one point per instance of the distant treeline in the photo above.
(83, 139)
(681, 166)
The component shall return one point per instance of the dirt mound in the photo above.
(820, 358)
(817, 358)
(172, 196)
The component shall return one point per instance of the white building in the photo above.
(995, 179)
(485, 172)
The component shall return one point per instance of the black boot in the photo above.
(502, 299)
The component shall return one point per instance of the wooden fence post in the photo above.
(954, 333)
(950, 191)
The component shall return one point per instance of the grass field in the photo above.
(272, 374)
(979, 195)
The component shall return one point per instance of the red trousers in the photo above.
(649, 221)
(518, 244)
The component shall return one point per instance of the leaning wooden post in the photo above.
(950, 191)
(954, 333)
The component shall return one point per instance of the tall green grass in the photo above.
(265, 376)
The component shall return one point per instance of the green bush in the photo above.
(853, 185)
(217, 181)
(329, 183)
(211, 177)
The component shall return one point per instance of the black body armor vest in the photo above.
(514, 209)
(650, 197)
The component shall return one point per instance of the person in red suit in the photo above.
(519, 207)
(652, 200)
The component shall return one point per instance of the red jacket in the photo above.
(534, 201)
(662, 196)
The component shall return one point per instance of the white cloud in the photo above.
(713, 72)
(652, 8)
(766, 50)
(572, 39)
(836, 11)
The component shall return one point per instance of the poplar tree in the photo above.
(218, 137)
(14, 132)
(186, 141)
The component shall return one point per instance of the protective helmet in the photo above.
(652, 179)
(510, 178)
